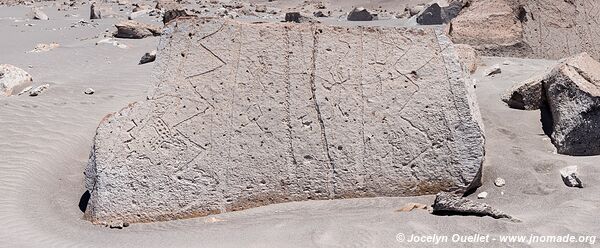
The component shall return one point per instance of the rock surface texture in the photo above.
(136, 30)
(526, 95)
(449, 204)
(572, 91)
(245, 115)
(547, 29)
(13, 80)
(570, 96)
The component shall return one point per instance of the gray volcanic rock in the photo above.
(527, 95)
(39, 15)
(570, 178)
(39, 90)
(449, 204)
(432, 15)
(245, 115)
(13, 80)
(436, 15)
(95, 12)
(100, 11)
(148, 57)
(136, 30)
(573, 96)
(171, 14)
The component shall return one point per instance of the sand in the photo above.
(45, 142)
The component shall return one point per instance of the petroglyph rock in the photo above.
(245, 115)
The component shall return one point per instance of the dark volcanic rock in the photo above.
(431, 16)
(360, 14)
(449, 204)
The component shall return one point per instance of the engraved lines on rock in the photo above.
(410, 76)
(313, 89)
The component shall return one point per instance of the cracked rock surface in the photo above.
(245, 115)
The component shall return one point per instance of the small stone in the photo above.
(411, 206)
(25, 90)
(173, 14)
(499, 182)
(495, 69)
(138, 14)
(482, 195)
(38, 90)
(213, 220)
(44, 47)
(416, 9)
(117, 224)
(506, 62)
(261, 8)
(39, 15)
(320, 14)
(360, 14)
(569, 177)
(148, 57)
(293, 17)
(89, 91)
(95, 12)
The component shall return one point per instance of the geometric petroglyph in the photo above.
(245, 115)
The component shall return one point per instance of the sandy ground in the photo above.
(45, 142)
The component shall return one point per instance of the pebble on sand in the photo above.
(570, 178)
(499, 182)
(38, 90)
(482, 195)
(495, 69)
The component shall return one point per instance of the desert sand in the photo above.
(45, 143)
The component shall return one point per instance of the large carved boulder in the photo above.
(245, 115)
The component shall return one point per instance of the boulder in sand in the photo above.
(360, 14)
(450, 204)
(13, 80)
(432, 15)
(136, 30)
(526, 95)
(572, 92)
(250, 114)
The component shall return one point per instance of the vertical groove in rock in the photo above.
(313, 88)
